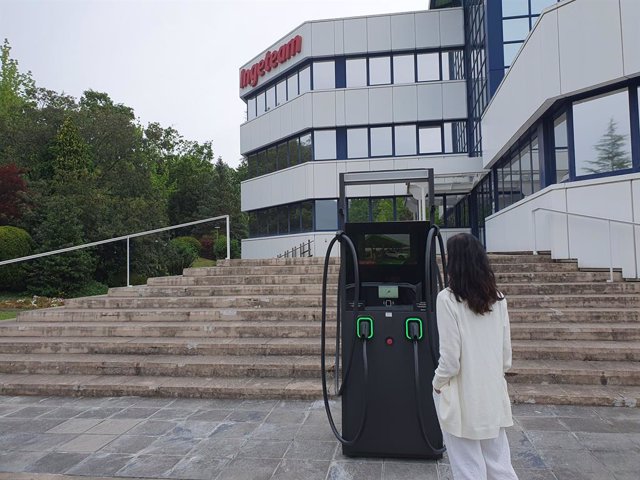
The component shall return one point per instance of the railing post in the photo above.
(228, 237)
(610, 253)
(128, 264)
(535, 236)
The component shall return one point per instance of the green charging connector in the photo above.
(406, 327)
(368, 320)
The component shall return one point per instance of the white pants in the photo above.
(480, 459)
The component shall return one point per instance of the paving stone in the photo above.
(256, 448)
(6, 409)
(18, 461)
(574, 465)
(30, 412)
(528, 459)
(542, 423)
(97, 412)
(252, 404)
(194, 429)
(152, 427)
(170, 446)
(113, 426)
(444, 472)
(75, 425)
(293, 469)
(197, 467)
(276, 431)
(620, 462)
(136, 412)
(249, 469)
(42, 442)
(315, 432)
(216, 415)
(18, 425)
(248, 416)
(128, 444)
(609, 441)
(172, 414)
(311, 450)
(535, 474)
(285, 416)
(402, 470)
(347, 470)
(234, 430)
(554, 440)
(596, 425)
(149, 466)
(101, 464)
(64, 412)
(86, 443)
(56, 462)
(219, 447)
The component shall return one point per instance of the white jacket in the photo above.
(475, 351)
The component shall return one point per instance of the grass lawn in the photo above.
(203, 262)
(8, 314)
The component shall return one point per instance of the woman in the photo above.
(475, 351)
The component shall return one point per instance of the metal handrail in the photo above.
(127, 238)
(304, 248)
(592, 217)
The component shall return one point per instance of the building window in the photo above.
(306, 214)
(260, 104)
(324, 145)
(515, 8)
(294, 218)
(326, 215)
(324, 75)
(358, 210)
(516, 187)
(428, 67)
(515, 29)
(283, 220)
(357, 143)
(405, 139)
(292, 86)
(305, 80)
(535, 165)
(379, 70)
(404, 70)
(561, 148)
(305, 148)
(271, 160)
(382, 209)
(455, 137)
(294, 156)
(538, 5)
(281, 92)
(526, 172)
(356, 72)
(283, 157)
(381, 142)
(602, 134)
(403, 212)
(251, 108)
(452, 65)
(430, 140)
(510, 52)
(271, 98)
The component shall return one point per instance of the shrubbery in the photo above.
(183, 251)
(220, 248)
(14, 243)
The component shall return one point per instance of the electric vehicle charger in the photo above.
(402, 425)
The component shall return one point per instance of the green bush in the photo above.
(206, 249)
(183, 251)
(220, 248)
(14, 243)
(90, 289)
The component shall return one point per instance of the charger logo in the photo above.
(270, 60)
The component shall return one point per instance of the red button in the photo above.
(389, 341)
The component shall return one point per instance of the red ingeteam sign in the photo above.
(270, 61)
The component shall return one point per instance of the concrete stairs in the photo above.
(250, 329)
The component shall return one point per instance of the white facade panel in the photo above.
(403, 31)
(589, 58)
(355, 35)
(379, 34)
(405, 104)
(325, 180)
(341, 114)
(454, 99)
(356, 106)
(381, 105)
(429, 101)
(629, 15)
(324, 109)
(451, 27)
(338, 28)
(286, 119)
(322, 39)
(427, 28)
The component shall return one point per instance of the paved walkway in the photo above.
(64, 438)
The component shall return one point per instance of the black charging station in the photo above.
(387, 337)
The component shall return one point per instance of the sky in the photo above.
(174, 62)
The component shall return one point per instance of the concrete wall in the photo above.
(575, 46)
(587, 240)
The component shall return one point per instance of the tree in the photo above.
(13, 194)
(15, 87)
(612, 155)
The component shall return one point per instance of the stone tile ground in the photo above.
(132, 437)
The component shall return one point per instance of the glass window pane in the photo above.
(379, 70)
(251, 166)
(305, 80)
(294, 157)
(515, 29)
(535, 165)
(561, 148)
(260, 105)
(251, 108)
(263, 226)
(405, 139)
(455, 137)
(324, 75)
(261, 167)
(602, 134)
(357, 143)
(324, 144)
(305, 148)
(307, 216)
(510, 51)
(358, 210)
(404, 70)
(271, 219)
(430, 140)
(357, 72)
(538, 5)
(294, 218)
(514, 8)
(326, 214)
(382, 209)
(403, 212)
(525, 171)
(428, 67)
(271, 160)
(271, 98)
(283, 161)
(453, 65)
(381, 143)
(292, 87)
(283, 220)
(253, 224)
(281, 92)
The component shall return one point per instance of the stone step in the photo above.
(556, 277)
(571, 394)
(583, 288)
(574, 315)
(173, 365)
(230, 302)
(575, 372)
(156, 386)
(584, 350)
(240, 280)
(220, 290)
(574, 301)
(623, 332)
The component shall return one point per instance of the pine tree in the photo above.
(612, 155)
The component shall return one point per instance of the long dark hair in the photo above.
(470, 275)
